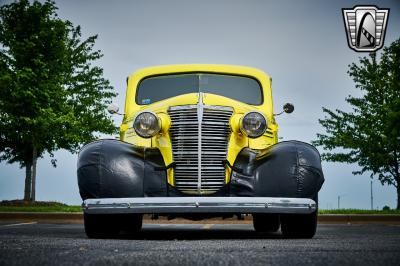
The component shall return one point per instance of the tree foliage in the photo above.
(52, 96)
(369, 135)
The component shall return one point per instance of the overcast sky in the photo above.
(300, 44)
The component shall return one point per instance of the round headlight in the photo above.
(253, 124)
(146, 124)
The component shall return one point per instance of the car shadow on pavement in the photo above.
(197, 234)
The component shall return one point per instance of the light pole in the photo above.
(338, 200)
(372, 198)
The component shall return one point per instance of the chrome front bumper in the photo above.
(175, 205)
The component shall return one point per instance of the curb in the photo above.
(359, 218)
(77, 217)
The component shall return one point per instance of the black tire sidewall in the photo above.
(266, 222)
(300, 225)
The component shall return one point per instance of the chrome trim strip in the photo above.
(200, 110)
(212, 107)
(199, 205)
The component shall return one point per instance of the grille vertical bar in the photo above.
(199, 136)
(200, 110)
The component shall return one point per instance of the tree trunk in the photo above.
(398, 196)
(28, 180)
(397, 179)
(34, 161)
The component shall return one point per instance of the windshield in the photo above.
(239, 88)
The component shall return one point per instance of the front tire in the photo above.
(110, 225)
(299, 225)
(266, 222)
(131, 223)
(100, 226)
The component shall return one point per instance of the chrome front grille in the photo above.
(199, 135)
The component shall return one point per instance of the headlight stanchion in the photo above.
(165, 122)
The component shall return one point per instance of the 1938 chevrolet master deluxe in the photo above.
(199, 141)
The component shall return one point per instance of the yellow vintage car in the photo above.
(199, 141)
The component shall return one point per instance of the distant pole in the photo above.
(372, 198)
(338, 200)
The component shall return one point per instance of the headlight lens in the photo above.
(146, 124)
(253, 124)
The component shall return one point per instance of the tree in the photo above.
(369, 135)
(52, 96)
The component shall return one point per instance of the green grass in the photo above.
(358, 211)
(40, 209)
(37, 206)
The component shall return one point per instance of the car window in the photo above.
(157, 88)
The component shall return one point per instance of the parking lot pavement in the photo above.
(32, 243)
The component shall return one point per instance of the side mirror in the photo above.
(113, 109)
(288, 108)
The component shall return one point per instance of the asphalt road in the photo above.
(199, 244)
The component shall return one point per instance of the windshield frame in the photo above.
(201, 72)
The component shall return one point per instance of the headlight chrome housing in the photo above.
(146, 124)
(253, 124)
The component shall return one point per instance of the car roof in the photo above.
(210, 68)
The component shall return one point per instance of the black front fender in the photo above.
(115, 169)
(286, 169)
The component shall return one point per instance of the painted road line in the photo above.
(207, 226)
(9, 225)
